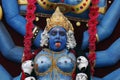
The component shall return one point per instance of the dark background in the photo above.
(14, 68)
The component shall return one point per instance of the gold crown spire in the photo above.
(58, 19)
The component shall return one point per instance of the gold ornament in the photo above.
(58, 19)
(102, 10)
(78, 23)
(37, 19)
(22, 2)
(86, 25)
(1, 13)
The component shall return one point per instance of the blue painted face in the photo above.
(57, 38)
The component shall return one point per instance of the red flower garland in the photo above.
(30, 17)
(92, 23)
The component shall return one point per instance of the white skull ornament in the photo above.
(82, 62)
(27, 66)
(81, 76)
(30, 78)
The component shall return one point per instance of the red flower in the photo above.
(94, 15)
(32, 1)
(27, 41)
(92, 39)
(31, 8)
(27, 49)
(92, 31)
(92, 47)
(28, 36)
(30, 17)
(29, 25)
(94, 9)
(28, 56)
(94, 12)
(94, 2)
(92, 22)
(92, 56)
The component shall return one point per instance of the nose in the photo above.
(58, 36)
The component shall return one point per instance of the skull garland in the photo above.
(82, 64)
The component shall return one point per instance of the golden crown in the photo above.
(58, 19)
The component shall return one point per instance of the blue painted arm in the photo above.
(4, 75)
(13, 17)
(109, 56)
(115, 75)
(7, 46)
(106, 25)
(15, 20)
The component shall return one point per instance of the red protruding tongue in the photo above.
(57, 44)
(62, 1)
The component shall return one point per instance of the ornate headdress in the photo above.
(58, 19)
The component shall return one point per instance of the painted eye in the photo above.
(62, 33)
(53, 33)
